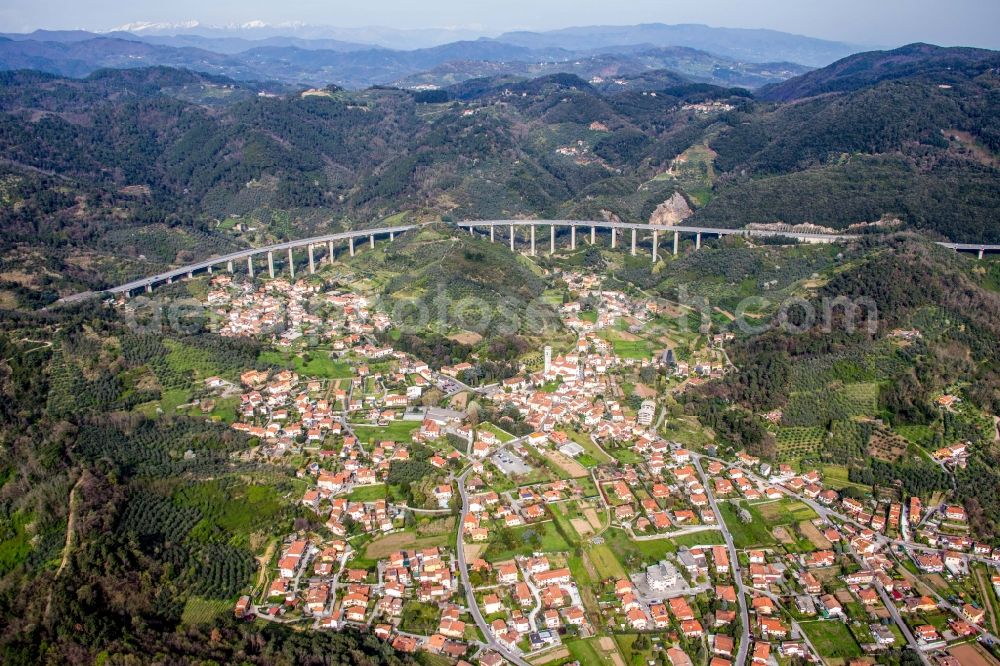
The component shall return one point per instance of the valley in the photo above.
(643, 345)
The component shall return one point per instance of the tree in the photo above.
(431, 397)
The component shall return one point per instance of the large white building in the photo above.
(646, 413)
(661, 576)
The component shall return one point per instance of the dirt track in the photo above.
(582, 527)
(607, 644)
(553, 655)
(590, 514)
(812, 533)
(984, 591)
(970, 654)
(571, 467)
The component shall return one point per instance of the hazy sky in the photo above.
(882, 22)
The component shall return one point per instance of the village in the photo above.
(586, 529)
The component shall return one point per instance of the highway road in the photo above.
(327, 239)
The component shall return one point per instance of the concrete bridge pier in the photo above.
(351, 243)
(392, 236)
(552, 239)
(633, 241)
(532, 240)
(329, 252)
(697, 241)
(170, 280)
(149, 288)
(291, 263)
(270, 264)
(512, 238)
(250, 265)
(312, 261)
(190, 274)
(229, 266)
(655, 243)
(572, 237)
(613, 230)
(677, 239)
(209, 270)
(371, 241)
(493, 233)
(593, 235)
(980, 253)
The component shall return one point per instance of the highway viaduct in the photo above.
(619, 233)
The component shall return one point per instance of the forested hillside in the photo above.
(856, 389)
(124, 172)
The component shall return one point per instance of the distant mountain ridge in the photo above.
(737, 43)
(925, 63)
(312, 55)
(749, 45)
(359, 66)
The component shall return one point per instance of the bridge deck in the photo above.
(473, 224)
(251, 252)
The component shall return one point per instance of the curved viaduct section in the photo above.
(228, 260)
(621, 232)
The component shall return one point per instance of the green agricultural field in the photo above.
(586, 652)
(605, 562)
(543, 537)
(862, 397)
(187, 359)
(633, 657)
(397, 431)
(368, 493)
(796, 442)
(396, 218)
(694, 170)
(832, 639)
(420, 618)
(173, 399)
(198, 610)
(592, 450)
(821, 405)
(705, 538)
(922, 435)
(230, 510)
(382, 546)
(16, 543)
(635, 349)
(561, 518)
(636, 555)
(501, 434)
(836, 477)
(688, 431)
(627, 456)
(315, 364)
(756, 533)
(225, 409)
(785, 511)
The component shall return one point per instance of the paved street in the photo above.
(741, 654)
(470, 595)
